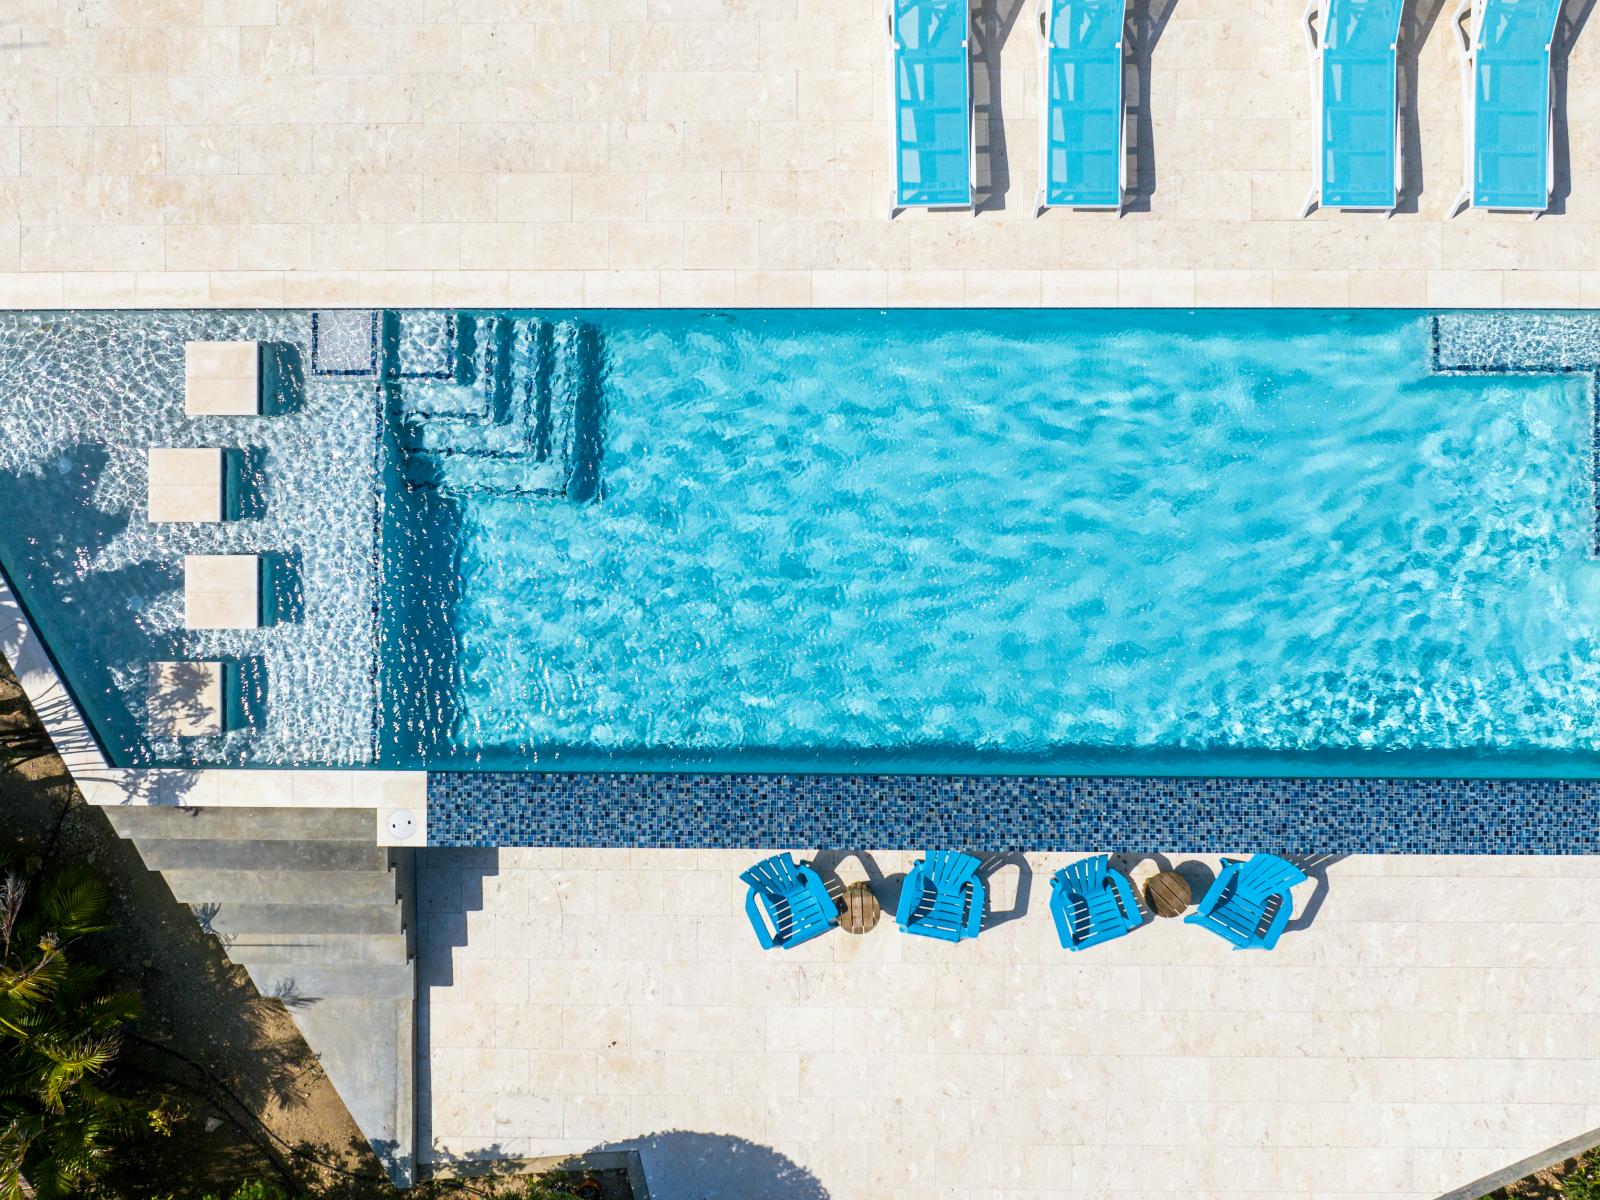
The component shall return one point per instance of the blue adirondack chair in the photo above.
(942, 897)
(1092, 903)
(787, 903)
(1240, 907)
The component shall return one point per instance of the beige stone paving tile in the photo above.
(645, 246)
(350, 247)
(246, 289)
(526, 196)
(321, 288)
(1542, 289)
(1310, 289)
(925, 289)
(394, 288)
(1465, 289)
(1155, 289)
(850, 289)
(1233, 289)
(773, 289)
(698, 289)
(1001, 289)
(621, 289)
(472, 289)
(171, 289)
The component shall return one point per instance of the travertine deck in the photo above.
(1435, 1020)
(703, 152)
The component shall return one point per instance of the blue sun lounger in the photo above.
(1092, 903)
(1249, 903)
(931, 111)
(942, 897)
(1083, 161)
(787, 903)
(1509, 119)
(1354, 82)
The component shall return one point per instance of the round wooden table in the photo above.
(1167, 894)
(858, 909)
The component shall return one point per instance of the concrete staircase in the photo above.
(321, 918)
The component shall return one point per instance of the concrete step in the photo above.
(309, 982)
(345, 948)
(191, 854)
(233, 921)
(282, 887)
(252, 824)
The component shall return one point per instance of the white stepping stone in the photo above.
(222, 379)
(185, 484)
(221, 591)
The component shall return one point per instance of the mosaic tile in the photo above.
(344, 342)
(996, 813)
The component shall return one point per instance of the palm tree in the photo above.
(60, 1030)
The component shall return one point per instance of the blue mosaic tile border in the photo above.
(997, 814)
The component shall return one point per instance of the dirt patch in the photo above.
(258, 1102)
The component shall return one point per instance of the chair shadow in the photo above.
(989, 866)
(1417, 24)
(993, 26)
(1147, 19)
(826, 864)
(1574, 16)
(1316, 868)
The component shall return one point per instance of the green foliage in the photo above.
(557, 1185)
(1582, 1182)
(60, 1031)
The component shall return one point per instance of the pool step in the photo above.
(299, 947)
(320, 917)
(530, 422)
(227, 919)
(278, 854)
(317, 982)
(207, 885)
(256, 824)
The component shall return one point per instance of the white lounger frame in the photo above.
(1313, 36)
(894, 123)
(1468, 45)
(1040, 203)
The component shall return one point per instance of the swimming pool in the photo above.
(1300, 543)
(1125, 542)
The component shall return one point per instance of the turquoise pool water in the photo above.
(1140, 542)
(1124, 542)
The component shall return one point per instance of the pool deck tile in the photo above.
(709, 153)
(1424, 1021)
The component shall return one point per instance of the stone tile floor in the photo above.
(1423, 1022)
(710, 152)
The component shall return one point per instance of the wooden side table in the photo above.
(858, 909)
(1167, 894)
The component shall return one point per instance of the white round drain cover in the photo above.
(402, 824)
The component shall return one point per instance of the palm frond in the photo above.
(76, 902)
